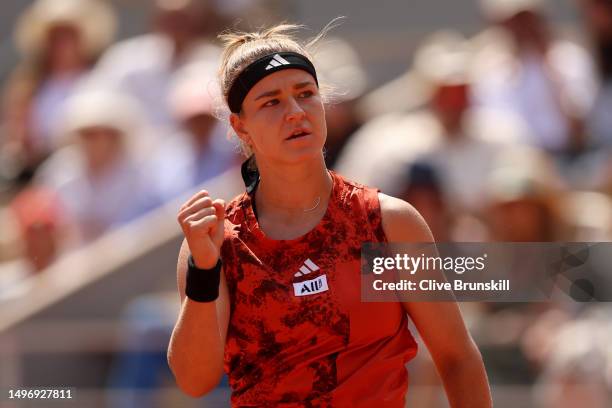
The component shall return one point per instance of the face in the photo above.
(450, 102)
(522, 220)
(40, 245)
(200, 127)
(599, 16)
(101, 146)
(180, 23)
(282, 118)
(528, 29)
(64, 47)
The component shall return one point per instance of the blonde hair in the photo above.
(243, 48)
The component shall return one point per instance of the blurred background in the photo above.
(492, 117)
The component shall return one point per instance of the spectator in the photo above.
(523, 194)
(42, 234)
(340, 68)
(199, 150)
(59, 41)
(459, 142)
(424, 192)
(578, 363)
(594, 170)
(471, 138)
(143, 66)
(599, 19)
(589, 216)
(598, 16)
(97, 173)
(523, 68)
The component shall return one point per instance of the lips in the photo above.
(298, 133)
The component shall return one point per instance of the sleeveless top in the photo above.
(298, 333)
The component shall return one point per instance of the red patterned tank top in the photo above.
(298, 334)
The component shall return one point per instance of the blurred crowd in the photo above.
(102, 132)
(502, 136)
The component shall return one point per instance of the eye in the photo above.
(306, 94)
(271, 102)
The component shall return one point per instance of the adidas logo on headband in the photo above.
(264, 66)
(276, 61)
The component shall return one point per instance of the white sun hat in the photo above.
(498, 10)
(338, 65)
(94, 19)
(95, 106)
(195, 90)
(442, 58)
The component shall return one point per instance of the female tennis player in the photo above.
(270, 284)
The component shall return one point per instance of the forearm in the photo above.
(465, 381)
(195, 353)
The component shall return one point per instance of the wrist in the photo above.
(203, 264)
(202, 285)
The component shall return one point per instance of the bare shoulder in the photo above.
(402, 222)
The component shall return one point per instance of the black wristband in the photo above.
(202, 284)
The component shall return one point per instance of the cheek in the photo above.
(268, 117)
(263, 126)
(316, 116)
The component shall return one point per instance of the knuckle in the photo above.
(201, 227)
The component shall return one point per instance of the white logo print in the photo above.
(276, 61)
(307, 268)
(311, 287)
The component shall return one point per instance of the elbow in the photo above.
(196, 390)
(474, 353)
(466, 358)
(195, 384)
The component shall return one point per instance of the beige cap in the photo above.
(173, 5)
(523, 172)
(497, 10)
(338, 66)
(99, 107)
(93, 18)
(195, 90)
(444, 59)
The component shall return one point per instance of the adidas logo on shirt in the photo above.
(312, 286)
(277, 61)
(307, 268)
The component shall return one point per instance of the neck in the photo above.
(293, 189)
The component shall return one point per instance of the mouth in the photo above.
(298, 133)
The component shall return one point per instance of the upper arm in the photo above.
(402, 223)
(222, 302)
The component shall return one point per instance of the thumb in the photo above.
(219, 209)
(217, 229)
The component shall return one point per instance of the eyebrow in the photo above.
(276, 92)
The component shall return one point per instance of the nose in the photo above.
(294, 111)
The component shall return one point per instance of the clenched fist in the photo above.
(201, 219)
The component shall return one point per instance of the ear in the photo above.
(238, 126)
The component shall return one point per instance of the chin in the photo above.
(303, 154)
